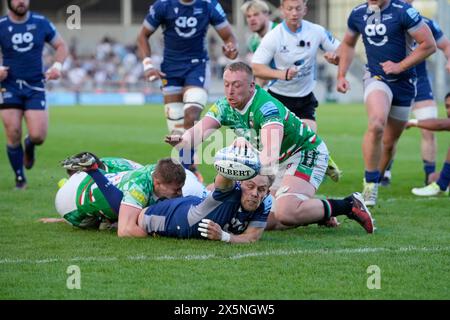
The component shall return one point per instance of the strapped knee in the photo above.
(175, 116)
(425, 113)
(195, 97)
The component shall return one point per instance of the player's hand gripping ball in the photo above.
(237, 164)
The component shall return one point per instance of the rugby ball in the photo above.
(235, 165)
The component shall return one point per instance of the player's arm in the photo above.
(61, 53)
(346, 52)
(264, 54)
(230, 47)
(213, 231)
(430, 124)
(330, 44)
(271, 137)
(425, 47)
(265, 72)
(443, 44)
(53, 220)
(128, 225)
(3, 69)
(150, 72)
(195, 135)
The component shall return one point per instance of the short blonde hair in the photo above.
(305, 2)
(257, 5)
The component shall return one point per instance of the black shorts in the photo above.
(302, 107)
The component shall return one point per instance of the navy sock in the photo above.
(29, 147)
(111, 193)
(334, 208)
(444, 178)
(15, 155)
(372, 176)
(428, 168)
(187, 159)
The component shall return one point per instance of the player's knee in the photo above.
(191, 115)
(195, 98)
(286, 208)
(376, 127)
(13, 135)
(175, 116)
(37, 139)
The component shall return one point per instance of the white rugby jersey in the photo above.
(281, 49)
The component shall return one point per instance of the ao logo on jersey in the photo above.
(20, 39)
(186, 22)
(372, 30)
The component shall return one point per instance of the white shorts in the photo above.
(308, 165)
(65, 200)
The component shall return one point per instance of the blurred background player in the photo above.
(185, 71)
(23, 35)
(389, 83)
(287, 56)
(425, 107)
(256, 14)
(439, 187)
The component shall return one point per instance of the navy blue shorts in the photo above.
(404, 92)
(424, 90)
(23, 96)
(179, 75)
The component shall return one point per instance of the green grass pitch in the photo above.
(411, 246)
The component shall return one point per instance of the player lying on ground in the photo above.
(241, 209)
(112, 166)
(83, 202)
(288, 147)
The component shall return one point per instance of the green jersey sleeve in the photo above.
(137, 187)
(269, 113)
(221, 112)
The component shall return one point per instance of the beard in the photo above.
(20, 10)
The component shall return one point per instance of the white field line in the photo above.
(364, 250)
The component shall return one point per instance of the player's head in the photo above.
(293, 10)
(254, 191)
(256, 13)
(168, 178)
(447, 104)
(239, 84)
(19, 7)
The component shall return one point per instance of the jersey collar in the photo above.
(289, 30)
(249, 103)
(20, 22)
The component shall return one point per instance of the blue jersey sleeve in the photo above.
(435, 29)
(50, 31)
(410, 17)
(217, 18)
(351, 23)
(224, 195)
(155, 16)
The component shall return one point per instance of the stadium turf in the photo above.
(410, 249)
